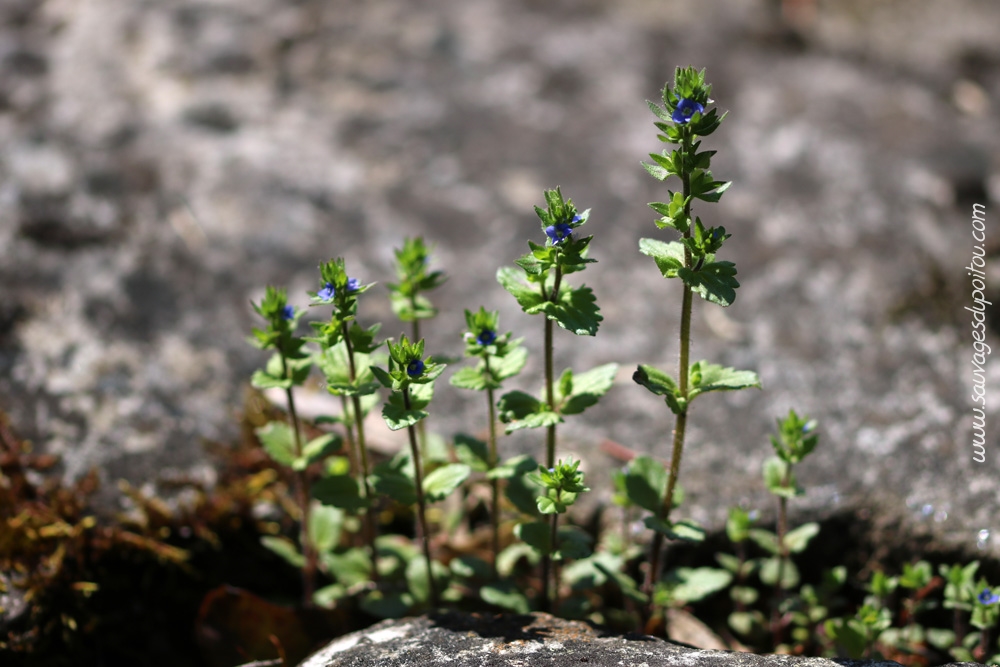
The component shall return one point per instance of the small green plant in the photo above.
(574, 309)
(682, 120)
(500, 358)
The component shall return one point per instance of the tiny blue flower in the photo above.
(685, 109)
(353, 284)
(577, 218)
(558, 233)
(415, 368)
(486, 337)
(327, 292)
(288, 312)
(988, 598)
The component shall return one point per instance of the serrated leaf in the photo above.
(510, 364)
(278, 441)
(527, 297)
(588, 388)
(655, 380)
(468, 377)
(506, 596)
(656, 171)
(669, 257)
(575, 311)
(713, 282)
(705, 377)
(284, 547)
(442, 481)
(797, 540)
(397, 418)
(339, 491)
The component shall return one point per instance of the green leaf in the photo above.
(669, 257)
(627, 585)
(387, 605)
(774, 478)
(576, 310)
(765, 539)
(262, 380)
(469, 378)
(439, 484)
(536, 534)
(321, 447)
(713, 282)
(325, 524)
(472, 452)
(397, 418)
(389, 479)
(646, 483)
(588, 388)
(520, 410)
(705, 377)
(416, 578)
(517, 466)
(339, 491)
(327, 596)
(797, 540)
(694, 584)
(572, 543)
(510, 364)
(852, 639)
(656, 171)
(506, 596)
(686, 530)
(382, 376)
(527, 297)
(285, 548)
(508, 558)
(278, 441)
(769, 573)
(470, 567)
(547, 505)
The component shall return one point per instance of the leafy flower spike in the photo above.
(686, 108)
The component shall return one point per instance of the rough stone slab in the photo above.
(485, 640)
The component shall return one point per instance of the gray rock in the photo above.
(462, 640)
(163, 162)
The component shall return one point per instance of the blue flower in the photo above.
(486, 337)
(326, 294)
(415, 368)
(353, 284)
(685, 109)
(288, 312)
(988, 598)
(558, 233)
(577, 218)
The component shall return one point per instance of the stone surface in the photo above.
(160, 163)
(461, 640)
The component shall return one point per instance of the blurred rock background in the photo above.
(161, 162)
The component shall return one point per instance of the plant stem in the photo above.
(653, 574)
(550, 431)
(352, 453)
(776, 628)
(421, 502)
(421, 427)
(494, 483)
(553, 542)
(302, 497)
(371, 530)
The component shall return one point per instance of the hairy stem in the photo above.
(653, 574)
(494, 460)
(776, 627)
(302, 498)
(371, 530)
(421, 501)
(421, 426)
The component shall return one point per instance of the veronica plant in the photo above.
(289, 366)
(574, 309)
(499, 359)
(683, 119)
(410, 377)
